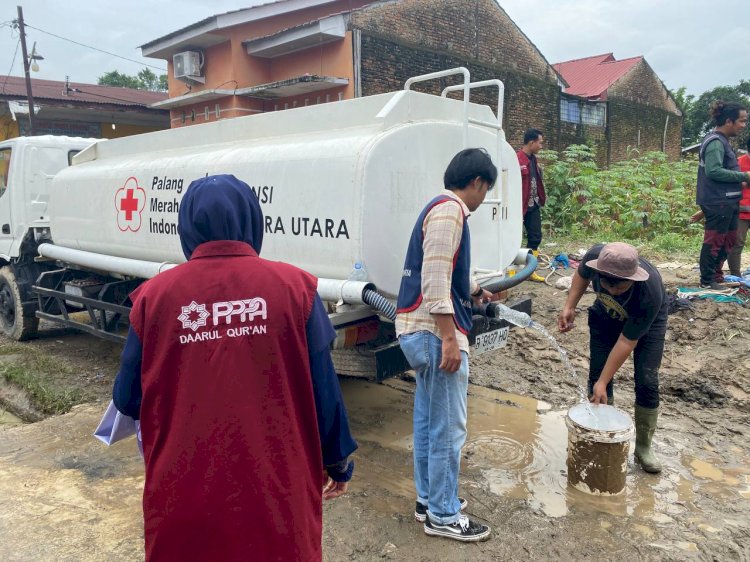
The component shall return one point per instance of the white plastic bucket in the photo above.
(598, 447)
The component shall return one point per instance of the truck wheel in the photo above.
(12, 321)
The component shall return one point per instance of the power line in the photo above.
(12, 64)
(109, 97)
(95, 49)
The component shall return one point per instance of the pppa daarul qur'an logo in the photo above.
(194, 315)
(130, 200)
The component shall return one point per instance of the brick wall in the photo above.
(477, 34)
(639, 106)
(406, 38)
(572, 133)
(642, 85)
(469, 29)
(638, 126)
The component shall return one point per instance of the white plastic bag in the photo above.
(115, 427)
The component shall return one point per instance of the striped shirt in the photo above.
(441, 229)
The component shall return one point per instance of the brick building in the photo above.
(290, 53)
(621, 106)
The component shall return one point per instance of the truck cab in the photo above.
(27, 166)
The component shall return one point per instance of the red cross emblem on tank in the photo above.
(130, 200)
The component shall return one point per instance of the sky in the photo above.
(679, 38)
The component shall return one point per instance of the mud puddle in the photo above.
(517, 449)
(8, 420)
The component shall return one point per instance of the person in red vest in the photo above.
(735, 256)
(227, 366)
(533, 196)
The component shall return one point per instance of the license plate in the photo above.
(491, 340)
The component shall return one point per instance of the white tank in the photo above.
(338, 183)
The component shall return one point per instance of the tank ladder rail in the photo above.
(105, 310)
(464, 87)
(500, 209)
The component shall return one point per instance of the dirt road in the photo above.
(64, 496)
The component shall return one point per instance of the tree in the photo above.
(144, 80)
(696, 121)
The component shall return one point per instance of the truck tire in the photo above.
(13, 323)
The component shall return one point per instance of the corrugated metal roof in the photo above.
(591, 77)
(15, 87)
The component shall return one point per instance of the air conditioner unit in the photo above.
(188, 67)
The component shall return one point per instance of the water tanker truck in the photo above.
(84, 222)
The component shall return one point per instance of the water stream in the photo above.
(523, 320)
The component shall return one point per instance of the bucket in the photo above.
(598, 448)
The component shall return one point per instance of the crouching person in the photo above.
(628, 316)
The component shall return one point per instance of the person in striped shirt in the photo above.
(432, 323)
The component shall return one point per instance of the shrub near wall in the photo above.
(642, 198)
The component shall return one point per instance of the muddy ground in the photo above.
(64, 496)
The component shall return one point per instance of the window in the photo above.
(5, 154)
(581, 112)
(569, 111)
(593, 114)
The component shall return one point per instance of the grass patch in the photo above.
(663, 247)
(36, 376)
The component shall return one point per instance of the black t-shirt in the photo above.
(644, 305)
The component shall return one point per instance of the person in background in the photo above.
(719, 189)
(735, 256)
(628, 316)
(432, 322)
(533, 196)
(227, 366)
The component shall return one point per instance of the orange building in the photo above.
(270, 57)
(291, 53)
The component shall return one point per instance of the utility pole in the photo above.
(26, 62)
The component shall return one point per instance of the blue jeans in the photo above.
(439, 425)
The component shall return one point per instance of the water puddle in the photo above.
(518, 447)
(9, 420)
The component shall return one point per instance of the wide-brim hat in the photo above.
(618, 259)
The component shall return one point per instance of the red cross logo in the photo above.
(129, 204)
(130, 200)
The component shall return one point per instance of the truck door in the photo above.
(6, 220)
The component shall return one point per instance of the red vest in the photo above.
(744, 162)
(231, 444)
(524, 162)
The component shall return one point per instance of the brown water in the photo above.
(8, 420)
(519, 446)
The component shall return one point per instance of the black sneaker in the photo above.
(464, 530)
(713, 286)
(420, 511)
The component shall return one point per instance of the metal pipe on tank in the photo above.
(104, 263)
(333, 290)
(337, 290)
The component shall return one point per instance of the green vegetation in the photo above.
(696, 122)
(645, 200)
(45, 380)
(144, 80)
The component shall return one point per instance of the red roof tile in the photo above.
(590, 77)
(15, 86)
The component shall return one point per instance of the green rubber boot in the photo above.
(645, 425)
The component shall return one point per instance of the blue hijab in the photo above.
(219, 208)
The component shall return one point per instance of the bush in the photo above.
(644, 198)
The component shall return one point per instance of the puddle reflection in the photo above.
(519, 446)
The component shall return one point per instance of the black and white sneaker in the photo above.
(464, 530)
(420, 511)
